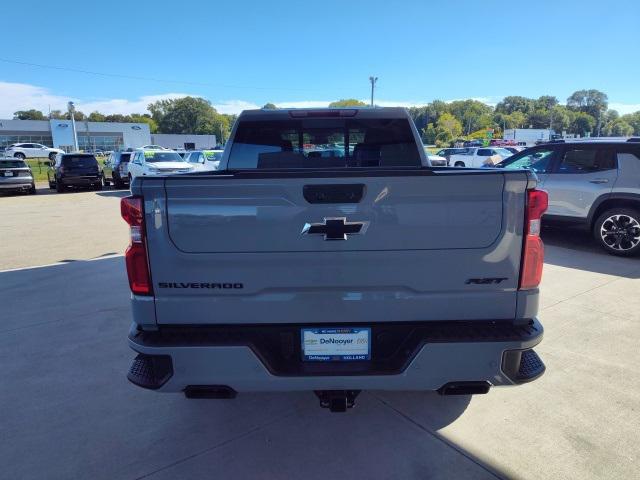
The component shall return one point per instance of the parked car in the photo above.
(479, 157)
(115, 169)
(473, 143)
(74, 170)
(437, 160)
(333, 274)
(156, 162)
(204, 160)
(447, 152)
(154, 147)
(592, 184)
(31, 150)
(16, 176)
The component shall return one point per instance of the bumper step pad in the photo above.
(522, 366)
(150, 371)
(530, 366)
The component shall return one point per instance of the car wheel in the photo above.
(32, 190)
(52, 156)
(117, 183)
(459, 164)
(20, 156)
(618, 231)
(52, 185)
(60, 187)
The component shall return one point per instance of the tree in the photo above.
(633, 119)
(618, 128)
(594, 102)
(516, 119)
(269, 106)
(429, 134)
(29, 115)
(471, 113)
(545, 102)
(538, 119)
(515, 103)
(347, 102)
(560, 118)
(57, 115)
(448, 128)
(96, 117)
(582, 124)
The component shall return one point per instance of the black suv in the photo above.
(74, 170)
(115, 169)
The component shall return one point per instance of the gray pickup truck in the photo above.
(327, 255)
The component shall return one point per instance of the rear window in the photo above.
(79, 161)
(324, 143)
(12, 164)
(125, 157)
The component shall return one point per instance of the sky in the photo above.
(243, 54)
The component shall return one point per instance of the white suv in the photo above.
(157, 162)
(31, 150)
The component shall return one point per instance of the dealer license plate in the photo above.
(336, 344)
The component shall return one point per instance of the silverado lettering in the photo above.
(200, 285)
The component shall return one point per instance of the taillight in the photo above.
(132, 210)
(533, 248)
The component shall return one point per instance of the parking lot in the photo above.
(69, 412)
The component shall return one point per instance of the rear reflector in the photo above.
(533, 248)
(135, 256)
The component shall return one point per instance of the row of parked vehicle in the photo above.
(73, 170)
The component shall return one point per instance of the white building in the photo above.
(186, 141)
(528, 136)
(59, 134)
(105, 136)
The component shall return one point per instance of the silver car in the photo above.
(594, 183)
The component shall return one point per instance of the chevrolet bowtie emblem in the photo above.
(335, 228)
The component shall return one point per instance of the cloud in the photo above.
(22, 96)
(624, 108)
(234, 106)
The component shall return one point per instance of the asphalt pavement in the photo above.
(67, 410)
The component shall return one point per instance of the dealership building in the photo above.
(94, 135)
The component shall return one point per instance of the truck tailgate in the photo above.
(228, 249)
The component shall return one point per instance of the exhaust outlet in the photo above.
(464, 388)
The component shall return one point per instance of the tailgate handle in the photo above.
(336, 193)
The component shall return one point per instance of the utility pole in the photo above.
(72, 109)
(373, 81)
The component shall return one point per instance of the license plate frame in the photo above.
(341, 344)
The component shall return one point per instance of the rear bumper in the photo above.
(79, 181)
(417, 356)
(25, 184)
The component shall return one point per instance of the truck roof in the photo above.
(342, 112)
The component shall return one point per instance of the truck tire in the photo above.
(618, 231)
(459, 164)
(60, 187)
(32, 190)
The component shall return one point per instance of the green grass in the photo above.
(39, 167)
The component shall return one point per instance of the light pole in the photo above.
(373, 81)
(73, 125)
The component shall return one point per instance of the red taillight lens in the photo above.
(533, 248)
(132, 211)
